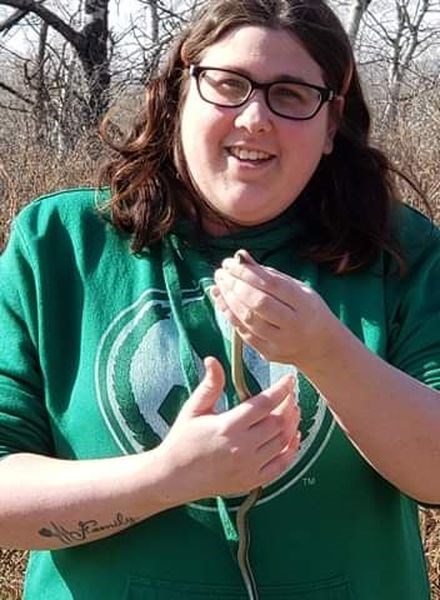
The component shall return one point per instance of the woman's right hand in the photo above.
(54, 503)
(211, 454)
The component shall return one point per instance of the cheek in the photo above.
(194, 136)
(203, 127)
(200, 145)
(306, 143)
(187, 126)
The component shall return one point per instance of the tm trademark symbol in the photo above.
(307, 481)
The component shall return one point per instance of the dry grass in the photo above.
(12, 566)
(29, 173)
(430, 521)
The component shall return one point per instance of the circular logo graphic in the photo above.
(141, 384)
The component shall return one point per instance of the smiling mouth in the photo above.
(251, 156)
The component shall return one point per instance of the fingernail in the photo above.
(240, 256)
(244, 256)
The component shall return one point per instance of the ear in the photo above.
(334, 119)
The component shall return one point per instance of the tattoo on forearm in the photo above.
(85, 529)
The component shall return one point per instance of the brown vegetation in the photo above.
(26, 172)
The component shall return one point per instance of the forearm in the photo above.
(50, 503)
(393, 419)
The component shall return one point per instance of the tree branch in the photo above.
(13, 108)
(17, 94)
(14, 19)
(50, 18)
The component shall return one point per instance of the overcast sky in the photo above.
(121, 11)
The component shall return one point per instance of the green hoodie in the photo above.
(99, 348)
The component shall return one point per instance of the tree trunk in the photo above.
(93, 54)
(405, 44)
(357, 11)
(40, 106)
(90, 44)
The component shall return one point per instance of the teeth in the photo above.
(243, 154)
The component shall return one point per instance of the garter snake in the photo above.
(242, 523)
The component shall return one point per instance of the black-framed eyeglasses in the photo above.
(286, 98)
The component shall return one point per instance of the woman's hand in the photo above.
(282, 318)
(393, 419)
(51, 503)
(233, 452)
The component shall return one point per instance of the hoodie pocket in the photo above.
(336, 588)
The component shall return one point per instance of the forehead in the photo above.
(263, 53)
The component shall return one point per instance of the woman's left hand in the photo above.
(393, 419)
(281, 317)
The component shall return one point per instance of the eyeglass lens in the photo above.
(229, 89)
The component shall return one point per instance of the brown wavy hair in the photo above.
(348, 205)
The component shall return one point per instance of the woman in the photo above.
(253, 202)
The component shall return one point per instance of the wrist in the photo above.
(164, 473)
(331, 339)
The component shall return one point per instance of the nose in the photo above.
(255, 115)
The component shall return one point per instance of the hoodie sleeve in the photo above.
(24, 425)
(414, 341)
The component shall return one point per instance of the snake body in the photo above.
(243, 511)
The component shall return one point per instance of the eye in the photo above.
(291, 93)
(288, 92)
(226, 83)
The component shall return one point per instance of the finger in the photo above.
(278, 465)
(244, 256)
(250, 338)
(217, 297)
(275, 283)
(222, 305)
(263, 337)
(273, 423)
(283, 420)
(289, 410)
(264, 347)
(258, 407)
(207, 393)
(273, 447)
(248, 320)
(257, 302)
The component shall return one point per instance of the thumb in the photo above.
(206, 394)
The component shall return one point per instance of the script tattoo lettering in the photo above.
(84, 530)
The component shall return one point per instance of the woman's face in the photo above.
(248, 163)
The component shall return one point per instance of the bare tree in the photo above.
(412, 37)
(73, 79)
(401, 39)
(396, 42)
(164, 19)
(90, 45)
